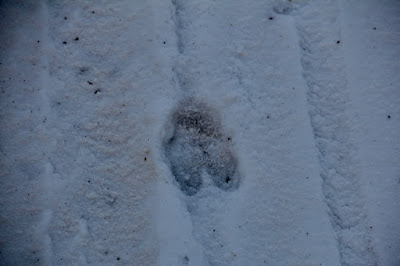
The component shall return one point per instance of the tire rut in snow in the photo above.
(319, 41)
(198, 149)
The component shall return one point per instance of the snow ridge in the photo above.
(327, 96)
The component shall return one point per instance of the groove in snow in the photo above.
(319, 41)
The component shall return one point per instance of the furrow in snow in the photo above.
(319, 40)
(179, 24)
(184, 20)
(179, 32)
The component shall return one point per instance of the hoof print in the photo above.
(198, 149)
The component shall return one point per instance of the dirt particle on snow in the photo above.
(388, 116)
(90, 83)
(76, 38)
(97, 91)
(65, 18)
(64, 42)
(338, 42)
(118, 257)
(145, 159)
(374, 28)
(271, 18)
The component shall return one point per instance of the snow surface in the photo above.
(213, 132)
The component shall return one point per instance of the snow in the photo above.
(199, 132)
(373, 31)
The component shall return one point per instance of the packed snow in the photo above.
(209, 132)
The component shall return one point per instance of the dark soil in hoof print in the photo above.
(198, 149)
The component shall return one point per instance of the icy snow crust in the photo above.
(199, 132)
